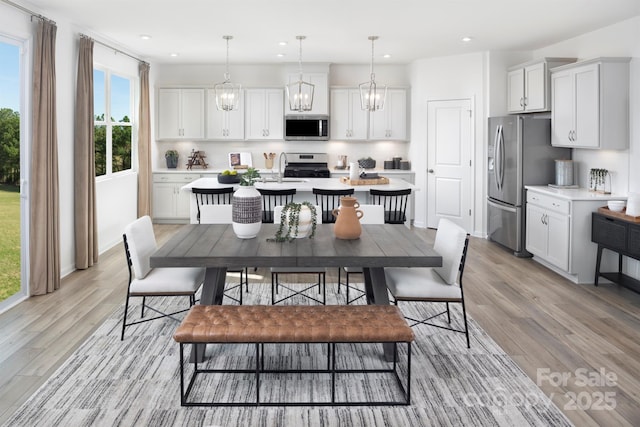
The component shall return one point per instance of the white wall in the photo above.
(622, 39)
(453, 77)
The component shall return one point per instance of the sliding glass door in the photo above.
(12, 167)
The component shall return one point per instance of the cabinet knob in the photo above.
(431, 171)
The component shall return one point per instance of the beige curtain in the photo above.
(44, 221)
(144, 144)
(85, 221)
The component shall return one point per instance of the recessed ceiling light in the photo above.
(145, 36)
(282, 43)
(174, 54)
(386, 55)
(467, 39)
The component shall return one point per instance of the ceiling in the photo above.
(336, 30)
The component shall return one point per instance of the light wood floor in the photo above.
(548, 325)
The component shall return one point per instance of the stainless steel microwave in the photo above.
(306, 128)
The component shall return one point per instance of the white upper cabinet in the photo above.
(528, 85)
(391, 122)
(224, 125)
(348, 120)
(264, 114)
(590, 104)
(320, 82)
(180, 113)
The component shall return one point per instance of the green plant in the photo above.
(290, 220)
(171, 153)
(249, 177)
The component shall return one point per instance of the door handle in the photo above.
(431, 171)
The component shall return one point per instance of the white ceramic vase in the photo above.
(304, 223)
(246, 212)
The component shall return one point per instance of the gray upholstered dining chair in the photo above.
(222, 214)
(372, 214)
(438, 284)
(144, 281)
(276, 272)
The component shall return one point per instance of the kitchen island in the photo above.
(304, 187)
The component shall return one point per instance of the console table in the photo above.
(618, 235)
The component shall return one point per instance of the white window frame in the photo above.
(108, 72)
(24, 71)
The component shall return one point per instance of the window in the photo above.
(113, 100)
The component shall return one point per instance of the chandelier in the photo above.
(300, 93)
(372, 96)
(227, 93)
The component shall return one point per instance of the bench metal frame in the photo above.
(331, 369)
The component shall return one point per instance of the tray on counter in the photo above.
(376, 181)
(604, 210)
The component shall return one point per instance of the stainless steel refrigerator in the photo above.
(520, 153)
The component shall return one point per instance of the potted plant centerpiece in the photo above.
(297, 220)
(171, 156)
(246, 207)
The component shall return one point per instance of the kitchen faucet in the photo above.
(280, 165)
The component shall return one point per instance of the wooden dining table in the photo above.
(216, 247)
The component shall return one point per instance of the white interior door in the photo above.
(449, 162)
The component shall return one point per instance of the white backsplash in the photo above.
(217, 152)
(615, 161)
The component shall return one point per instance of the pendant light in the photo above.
(227, 93)
(300, 93)
(372, 96)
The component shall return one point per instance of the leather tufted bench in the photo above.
(259, 325)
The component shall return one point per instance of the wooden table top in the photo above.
(217, 246)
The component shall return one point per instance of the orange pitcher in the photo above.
(347, 224)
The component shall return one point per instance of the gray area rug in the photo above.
(107, 382)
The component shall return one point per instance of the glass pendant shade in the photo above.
(227, 93)
(300, 93)
(372, 95)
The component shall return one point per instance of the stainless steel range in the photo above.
(306, 165)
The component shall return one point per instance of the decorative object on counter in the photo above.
(246, 205)
(564, 173)
(360, 181)
(616, 205)
(388, 164)
(354, 171)
(367, 163)
(300, 93)
(171, 156)
(405, 165)
(372, 97)
(396, 162)
(227, 93)
(342, 162)
(197, 159)
(347, 225)
(240, 160)
(268, 160)
(600, 181)
(229, 177)
(297, 220)
(633, 205)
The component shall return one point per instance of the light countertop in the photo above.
(304, 184)
(337, 172)
(574, 193)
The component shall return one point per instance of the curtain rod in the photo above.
(30, 12)
(113, 48)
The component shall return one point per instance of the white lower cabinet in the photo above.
(558, 231)
(547, 233)
(169, 203)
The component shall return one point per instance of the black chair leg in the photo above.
(124, 319)
(466, 327)
(448, 314)
(339, 280)
(144, 300)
